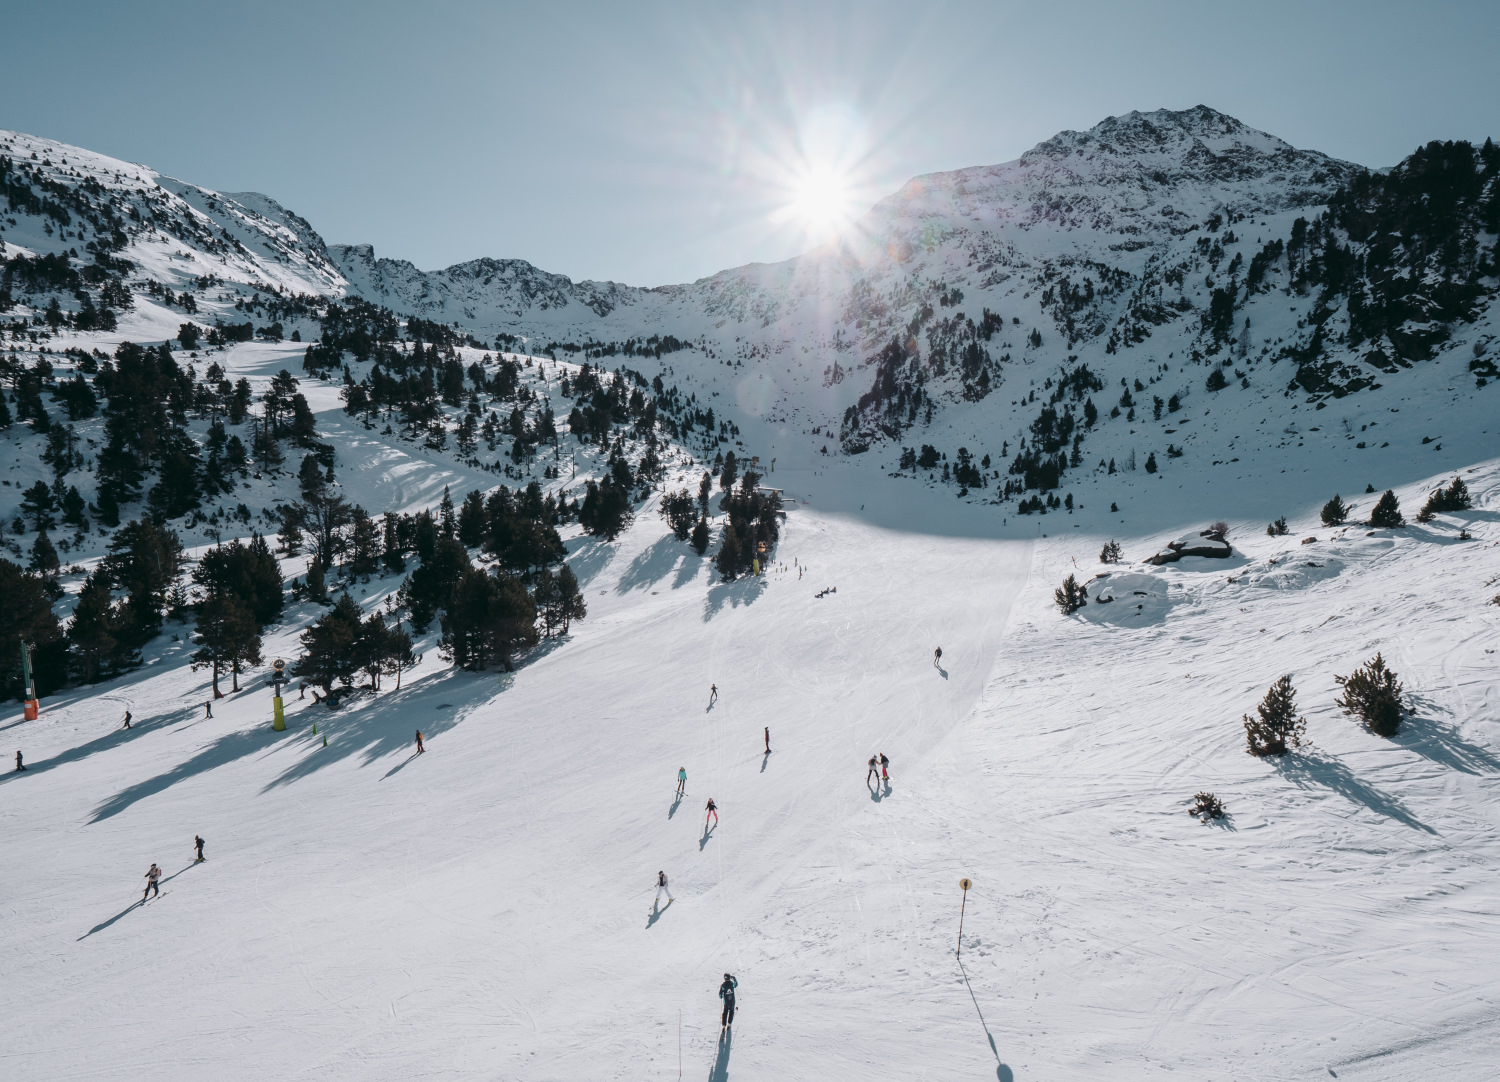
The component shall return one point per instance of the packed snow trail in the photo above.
(479, 910)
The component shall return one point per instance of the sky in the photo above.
(652, 143)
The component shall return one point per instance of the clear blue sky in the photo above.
(652, 142)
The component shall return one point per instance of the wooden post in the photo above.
(965, 885)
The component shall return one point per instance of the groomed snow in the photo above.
(484, 910)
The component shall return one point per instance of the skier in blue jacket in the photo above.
(726, 993)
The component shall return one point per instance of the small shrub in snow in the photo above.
(1217, 381)
(1277, 729)
(1387, 512)
(1110, 554)
(1151, 462)
(1453, 498)
(1373, 694)
(1277, 528)
(1335, 512)
(1219, 529)
(1070, 596)
(1206, 806)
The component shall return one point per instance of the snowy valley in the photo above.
(1129, 334)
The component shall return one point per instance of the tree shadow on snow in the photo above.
(589, 558)
(743, 591)
(652, 564)
(1312, 771)
(111, 739)
(1442, 744)
(385, 724)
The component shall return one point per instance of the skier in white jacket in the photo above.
(661, 888)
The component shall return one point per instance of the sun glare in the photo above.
(821, 175)
(822, 201)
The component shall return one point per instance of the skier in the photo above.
(768, 740)
(937, 657)
(19, 764)
(884, 764)
(152, 875)
(872, 772)
(127, 720)
(726, 993)
(208, 709)
(681, 780)
(420, 749)
(712, 810)
(198, 844)
(661, 888)
(713, 694)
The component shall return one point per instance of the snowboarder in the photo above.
(681, 780)
(152, 875)
(661, 888)
(768, 740)
(884, 764)
(198, 844)
(872, 772)
(127, 720)
(712, 810)
(420, 749)
(208, 709)
(19, 764)
(937, 657)
(726, 993)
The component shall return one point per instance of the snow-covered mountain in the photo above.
(1118, 338)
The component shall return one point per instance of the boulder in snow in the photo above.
(1208, 543)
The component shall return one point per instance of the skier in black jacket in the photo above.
(726, 993)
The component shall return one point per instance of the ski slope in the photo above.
(485, 910)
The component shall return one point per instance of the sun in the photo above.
(822, 200)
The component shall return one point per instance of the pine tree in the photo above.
(364, 544)
(1070, 597)
(329, 647)
(226, 635)
(38, 504)
(447, 524)
(1335, 511)
(1151, 462)
(471, 520)
(571, 604)
(44, 556)
(91, 633)
(679, 511)
(1374, 695)
(1278, 728)
(29, 618)
(700, 536)
(1454, 498)
(728, 560)
(1387, 512)
(1110, 554)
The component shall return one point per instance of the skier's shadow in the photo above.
(675, 805)
(875, 793)
(720, 1073)
(708, 832)
(656, 914)
(133, 905)
(766, 758)
(399, 765)
(709, 708)
(943, 672)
